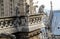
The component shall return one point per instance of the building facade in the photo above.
(17, 18)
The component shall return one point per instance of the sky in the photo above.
(55, 4)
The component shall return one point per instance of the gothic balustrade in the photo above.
(35, 20)
(15, 22)
(10, 25)
(5, 24)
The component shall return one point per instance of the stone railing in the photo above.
(34, 20)
(13, 24)
(9, 25)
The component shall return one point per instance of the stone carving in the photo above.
(41, 9)
(22, 21)
(16, 22)
(17, 11)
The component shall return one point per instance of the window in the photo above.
(1, 0)
(2, 4)
(2, 8)
(11, 8)
(11, 4)
(11, 13)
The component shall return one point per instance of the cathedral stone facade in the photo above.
(18, 20)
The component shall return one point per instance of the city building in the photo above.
(56, 24)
